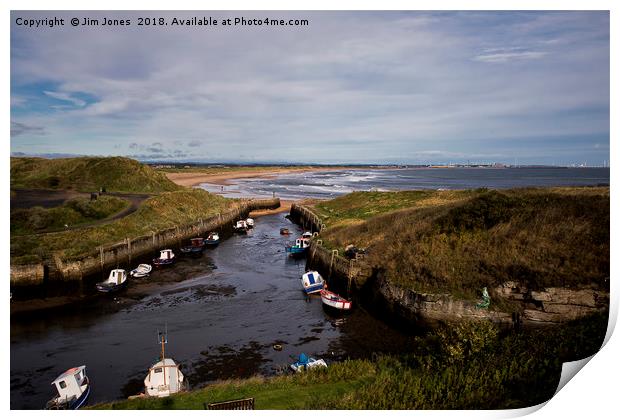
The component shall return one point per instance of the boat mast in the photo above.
(163, 339)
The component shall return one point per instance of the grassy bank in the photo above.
(459, 242)
(156, 213)
(116, 174)
(73, 213)
(471, 366)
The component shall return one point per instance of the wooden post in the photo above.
(349, 275)
(128, 250)
(331, 263)
(101, 256)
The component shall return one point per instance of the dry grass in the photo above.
(539, 237)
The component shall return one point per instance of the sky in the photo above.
(349, 87)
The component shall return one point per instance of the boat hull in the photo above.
(157, 262)
(82, 400)
(192, 251)
(332, 300)
(73, 405)
(104, 288)
(295, 251)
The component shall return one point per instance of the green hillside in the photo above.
(117, 174)
(459, 242)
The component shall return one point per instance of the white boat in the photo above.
(142, 270)
(73, 390)
(240, 226)
(333, 300)
(165, 377)
(166, 257)
(304, 363)
(213, 239)
(116, 281)
(312, 282)
(249, 223)
(306, 235)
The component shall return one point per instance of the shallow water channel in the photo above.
(224, 312)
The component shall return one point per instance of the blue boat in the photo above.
(304, 363)
(312, 282)
(73, 390)
(195, 248)
(213, 239)
(300, 248)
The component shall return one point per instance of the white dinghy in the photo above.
(142, 270)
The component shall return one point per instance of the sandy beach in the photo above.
(190, 179)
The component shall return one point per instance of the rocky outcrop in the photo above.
(554, 304)
(547, 306)
(429, 308)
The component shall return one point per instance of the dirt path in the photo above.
(21, 199)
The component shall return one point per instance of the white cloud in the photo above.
(350, 84)
(64, 96)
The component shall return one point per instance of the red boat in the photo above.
(333, 300)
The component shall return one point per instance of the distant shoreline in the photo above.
(192, 179)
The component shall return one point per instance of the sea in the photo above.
(326, 184)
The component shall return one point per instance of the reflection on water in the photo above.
(224, 313)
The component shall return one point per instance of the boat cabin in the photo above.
(117, 276)
(197, 242)
(71, 384)
(166, 254)
(302, 242)
(164, 378)
(306, 235)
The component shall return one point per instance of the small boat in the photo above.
(142, 270)
(241, 226)
(195, 248)
(213, 239)
(300, 247)
(312, 282)
(284, 231)
(116, 281)
(333, 300)
(306, 235)
(166, 257)
(165, 377)
(304, 363)
(73, 390)
(250, 223)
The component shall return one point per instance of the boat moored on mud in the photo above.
(312, 282)
(333, 300)
(165, 377)
(299, 248)
(240, 226)
(73, 389)
(142, 270)
(194, 248)
(166, 257)
(304, 363)
(213, 239)
(115, 281)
